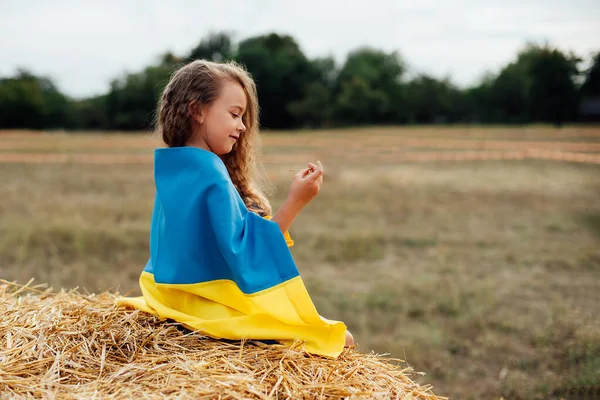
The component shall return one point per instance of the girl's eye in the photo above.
(235, 115)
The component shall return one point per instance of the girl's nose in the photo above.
(242, 127)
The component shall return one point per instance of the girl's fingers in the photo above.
(316, 175)
(320, 165)
(302, 173)
(313, 171)
(306, 172)
(315, 167)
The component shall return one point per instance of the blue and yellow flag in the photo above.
(220, 269)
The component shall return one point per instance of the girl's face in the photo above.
(221, 122)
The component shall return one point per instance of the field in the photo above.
(472, 253)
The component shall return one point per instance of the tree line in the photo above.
(541, 84)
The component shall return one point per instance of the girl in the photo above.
(219, 263)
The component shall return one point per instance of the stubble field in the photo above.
(472, 253)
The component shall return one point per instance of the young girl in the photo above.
(219, 263)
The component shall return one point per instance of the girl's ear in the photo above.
(196, 111)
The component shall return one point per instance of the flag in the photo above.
(217, 268)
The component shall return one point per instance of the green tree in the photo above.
(511, 93)
(433, 100)
(22, 103)
(315, 107)
(553, 92)
(478, 99)
(132, 99)
(216, 47)
(56, 106)
(282, 74)
(90, 113)
(591, 84)
(360, 103)
(538, 86)
(368, 88)
(28, 101)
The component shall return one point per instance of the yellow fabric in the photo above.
(286, 234)
(220, 309)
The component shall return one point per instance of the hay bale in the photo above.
(73, 345)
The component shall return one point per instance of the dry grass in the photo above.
(483, 274)
(386, 146)
(71, 346)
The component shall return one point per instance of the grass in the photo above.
(484, 274)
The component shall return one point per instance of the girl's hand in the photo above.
(306, 185)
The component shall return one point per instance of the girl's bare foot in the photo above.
(349, 339)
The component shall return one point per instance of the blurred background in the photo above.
(458, 227)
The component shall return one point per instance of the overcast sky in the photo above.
(82, 44)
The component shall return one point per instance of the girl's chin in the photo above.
(222, 152)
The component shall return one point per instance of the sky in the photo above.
(83, 45)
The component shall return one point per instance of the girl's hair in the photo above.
(201, 81)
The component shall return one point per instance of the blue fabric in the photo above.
(202, 231)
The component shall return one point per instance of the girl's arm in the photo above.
(287, 214)
(305, 186)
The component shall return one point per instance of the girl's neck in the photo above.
(197, 141)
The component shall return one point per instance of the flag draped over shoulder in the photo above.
(217, 268)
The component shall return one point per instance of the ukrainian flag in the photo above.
(217, 268)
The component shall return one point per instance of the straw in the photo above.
(71, 345)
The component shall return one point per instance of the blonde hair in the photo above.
(201, 81)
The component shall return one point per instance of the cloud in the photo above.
(83, 45)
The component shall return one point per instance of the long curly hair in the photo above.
(201, 80)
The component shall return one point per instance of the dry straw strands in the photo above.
(71, 345)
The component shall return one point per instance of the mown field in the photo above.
(472, 253)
